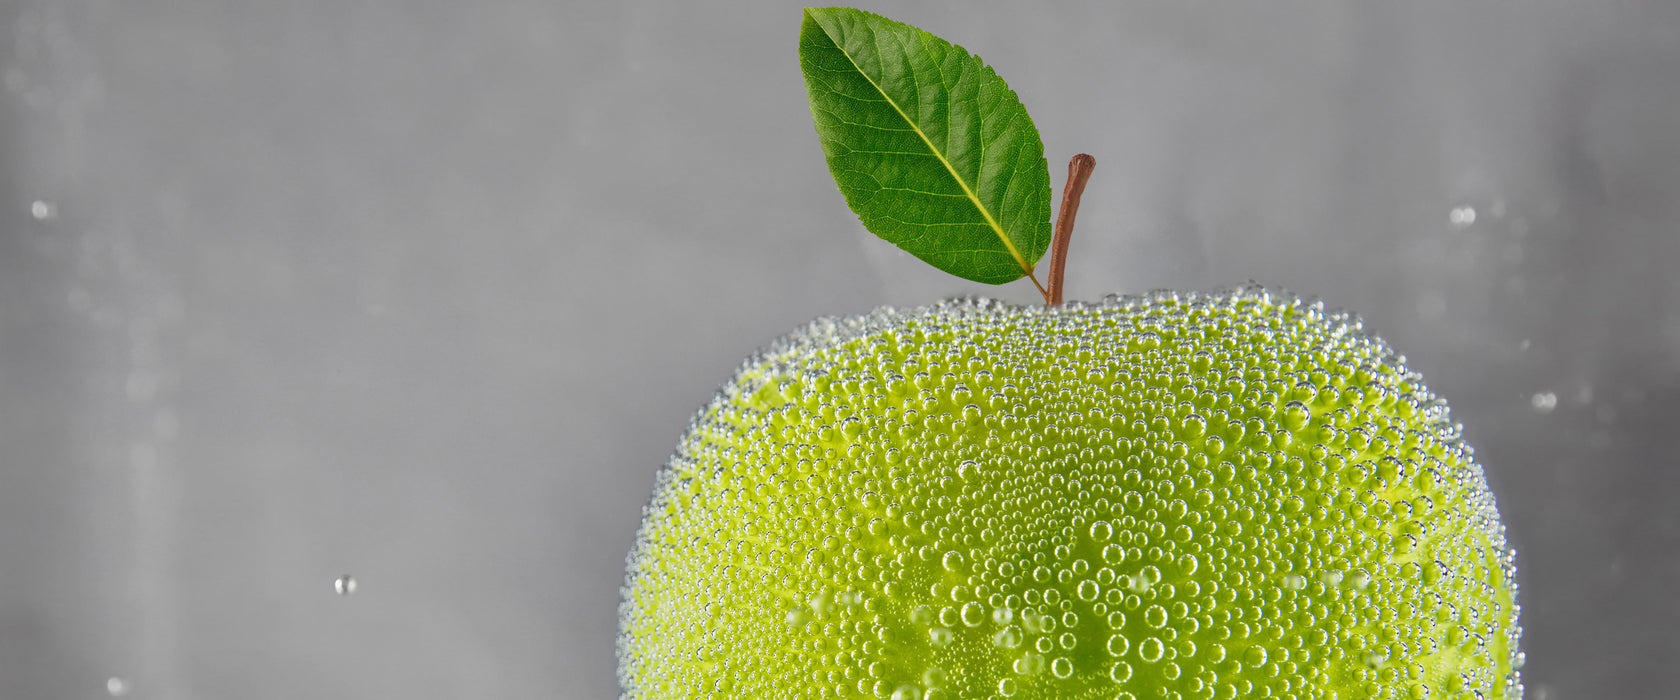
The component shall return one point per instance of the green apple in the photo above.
(1229, 495)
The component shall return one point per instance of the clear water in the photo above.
(428, 293)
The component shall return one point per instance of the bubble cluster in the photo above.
(1228, 495)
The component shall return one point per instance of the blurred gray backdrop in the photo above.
(424, 292)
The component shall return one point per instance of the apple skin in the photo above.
(1215, 495)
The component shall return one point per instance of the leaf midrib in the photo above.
(968, 192)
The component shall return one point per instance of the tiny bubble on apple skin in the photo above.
(1217, 494)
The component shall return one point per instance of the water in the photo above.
(316, 287)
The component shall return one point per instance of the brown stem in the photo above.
(1079, 171)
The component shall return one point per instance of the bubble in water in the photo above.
(1029, 664)
(953, 562)
(933, 677)
(1088, 590)
(1061, 667)
(345, 585)
(1101, 531)
(1156, 616)
(116, 686)
(905, 692)
(939, 636)
(1543, 402)
(819, 603)
(1118, 645)
(1008, 637)
(1360, 580)
(1151, 649)
(1462, 216)
(43, 210)
(1296, 415)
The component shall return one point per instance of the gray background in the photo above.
(424, 292)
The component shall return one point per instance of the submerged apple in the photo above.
(1202, 496)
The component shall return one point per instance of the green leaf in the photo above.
(929, 146)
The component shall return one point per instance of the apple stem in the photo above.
(1079, 171)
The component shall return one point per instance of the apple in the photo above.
(1207, 495)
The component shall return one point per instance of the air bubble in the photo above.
(1360, 580)
(1151, 649)
(933, 677)
(1088, 590)
(1029, 664)
(1462, 216)
(1118, 645)
(1295, 415)
(819, 603)
(344, 585)
(1008, 638)
(940, 636)
(1061, 667)
(953, 562)
(1101, 531)
(1155, 616)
